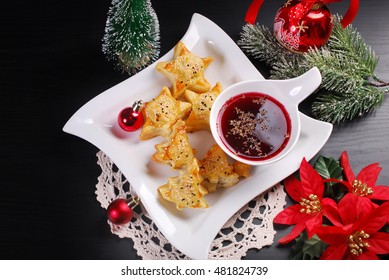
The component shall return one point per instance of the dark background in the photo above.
(51, 64)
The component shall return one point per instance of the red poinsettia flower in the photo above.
(364, 184)
(359, 236)
(308, 213)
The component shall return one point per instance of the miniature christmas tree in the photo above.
(131, 36)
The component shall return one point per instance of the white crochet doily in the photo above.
(250, 227)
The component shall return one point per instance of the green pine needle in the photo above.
(335, 107)
(346, 62)
(339, 73)
(350, 43)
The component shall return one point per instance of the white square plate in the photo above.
(189, 230)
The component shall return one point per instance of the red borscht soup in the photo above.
(254, 126)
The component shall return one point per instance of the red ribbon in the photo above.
(252, 12)
(351, 13)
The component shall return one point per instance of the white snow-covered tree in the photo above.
(131, 38)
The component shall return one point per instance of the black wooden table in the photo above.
(51, 64)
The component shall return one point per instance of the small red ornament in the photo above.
(120, 210)
(300, 25)
(131, 118)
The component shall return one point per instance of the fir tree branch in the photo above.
(336, 108)
(349, 43)
(378, 82)
(339, 74)
(349, 88)
(257, 41)
(289, 68)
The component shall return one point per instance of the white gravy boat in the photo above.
(286, 93)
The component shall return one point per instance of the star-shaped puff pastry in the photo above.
(201, 108)
(161, 114)
(175, 150)
(217, 170)
(186, 190)
(185, 71)
(242, 169)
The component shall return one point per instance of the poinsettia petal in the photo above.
(379, 243)
(348, 208)
(332, 235)
(353, 207)
(375, 220)
(293, 188)
(290, 215)
(311, 181)
(345, 163)
(369, 174)
(297, 229)
(331, 212)
(344, 183)
(364, 206)
(380, 193)
(367, 255)
(313, 224)
(334, 252)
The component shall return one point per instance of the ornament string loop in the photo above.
(350, 13)
(252, 12)
(133, 201)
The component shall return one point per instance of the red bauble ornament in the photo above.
(131, 118)
(120, 210)
(300, 25)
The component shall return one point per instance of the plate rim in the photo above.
(76, 121)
